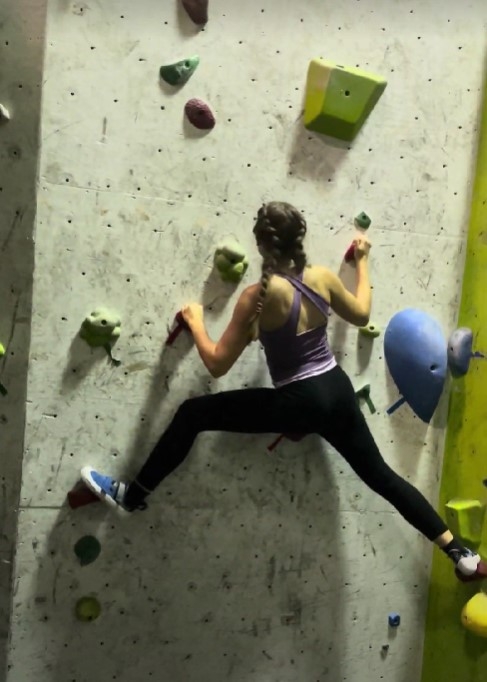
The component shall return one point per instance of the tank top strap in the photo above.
(315, 298)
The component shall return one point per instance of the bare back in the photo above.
(279, 298)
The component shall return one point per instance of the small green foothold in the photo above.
(87, 609)
(364, 394)
(372, 330)
(363, 220)
(2, 350)
(87, 549)
(231, 263)
(179, 73)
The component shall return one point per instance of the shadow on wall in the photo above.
(314, 156)
(21, 57)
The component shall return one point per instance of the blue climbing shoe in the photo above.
(108, 489)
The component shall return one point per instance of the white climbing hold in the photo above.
(4, 113)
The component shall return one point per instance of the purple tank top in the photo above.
(292, 356)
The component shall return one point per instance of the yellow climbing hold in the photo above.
(2, 350)
(339, 99)
(465, 519)
(87, 609)
(474, 615)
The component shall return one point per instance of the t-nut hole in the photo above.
(104, 322)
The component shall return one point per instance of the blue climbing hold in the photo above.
(416, 355)
(394, 620)
(460, 351)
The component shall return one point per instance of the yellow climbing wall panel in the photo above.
(450, 651)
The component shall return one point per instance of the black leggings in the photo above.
(325, 404)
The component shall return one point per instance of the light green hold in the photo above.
(231, 262)
(2, 350)
(87, 609)
(101, 329)
(465, 518)
(179, 73)
(371, 330)
(339, 99)
(363, 221)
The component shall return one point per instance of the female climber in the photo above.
(288, 312)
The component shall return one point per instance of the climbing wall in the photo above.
(247, 565)
(22, 25)
(448, 646)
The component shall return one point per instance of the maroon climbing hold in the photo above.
(350, 254)
(199, 114)
(180, 325)
(295, 437)
(80, 496)
(197, 10)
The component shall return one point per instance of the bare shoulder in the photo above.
(319, 278)
(319, 271)
(249, 298)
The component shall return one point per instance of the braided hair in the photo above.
(279, 230)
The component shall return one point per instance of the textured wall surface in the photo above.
(247, 566)
(448, 646)
(22, 26)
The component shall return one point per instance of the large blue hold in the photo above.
(416, 354)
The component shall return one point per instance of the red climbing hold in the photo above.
(80, 496)
(350, 254)
(199, 114)
(295, 437)
(180, 325)
(197, 10)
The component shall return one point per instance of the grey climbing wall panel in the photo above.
(247, 565)
(22, 25)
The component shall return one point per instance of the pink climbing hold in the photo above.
(199, 114)
(197, 10)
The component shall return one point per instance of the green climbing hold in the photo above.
(363, 220)
(339, 99)
(372, 330)
(101, 329)
(2, 350)
(87, 549)
(87, 609)
(466, 519)
(179, 73)
(231, 262)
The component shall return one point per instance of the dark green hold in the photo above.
(87, 550)
(179, 73)
(3, 390)
(363, 220)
